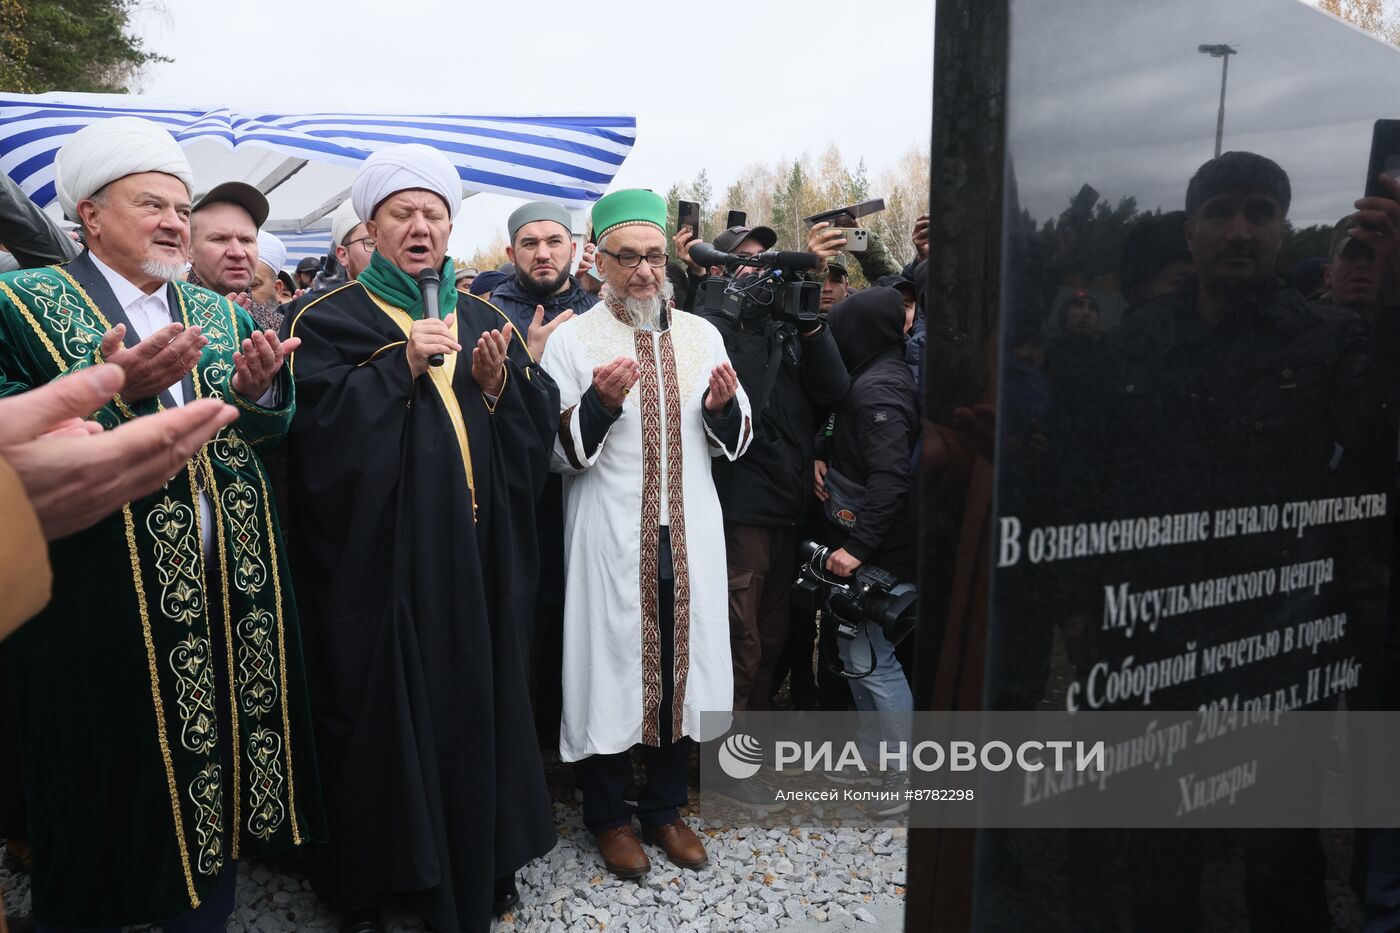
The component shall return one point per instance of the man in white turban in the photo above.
(161, 695)
(272, 256)
(413, 489)
(103, 152)
(352, 244)
(411, 167)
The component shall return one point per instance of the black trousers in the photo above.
(605, 778)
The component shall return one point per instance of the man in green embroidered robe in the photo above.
(162, 702)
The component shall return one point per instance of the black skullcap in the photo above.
(1238, 171)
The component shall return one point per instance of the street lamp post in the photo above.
(1222, 52)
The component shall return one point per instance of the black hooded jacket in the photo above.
(519, 305)
(876, 426)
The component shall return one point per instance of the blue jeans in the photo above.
(885, 691)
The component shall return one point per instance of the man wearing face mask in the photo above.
(414, 487)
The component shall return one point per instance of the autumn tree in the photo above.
(14, 50)
(904, 186)
(780, 194)
(70, 45)
(1376, 17)
(491, 256)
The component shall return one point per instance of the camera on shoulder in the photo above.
(759, 296)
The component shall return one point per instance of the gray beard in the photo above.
(642, 312)
(165, 271)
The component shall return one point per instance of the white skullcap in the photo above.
(343, 220)
(399, 168)
(106, 150)
(272, 252)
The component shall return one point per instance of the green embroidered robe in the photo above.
(123, 681)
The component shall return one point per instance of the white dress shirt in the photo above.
(148, 314)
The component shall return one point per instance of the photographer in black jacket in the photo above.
(865, 484)
(873, 435)
(792, 376)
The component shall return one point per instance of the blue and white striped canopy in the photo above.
(313, 244)
(568, 159)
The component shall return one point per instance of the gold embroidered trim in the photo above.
(441, 377)
(267, 814)
(129, 525)
(82, 293)
(118, 400)
(650, 564)
(34, 323)
(281, 659)
(566, 436)
(680, 562)
(206, 793)
(209, 824)
(371, 358)
(161, 735)
(228, 645)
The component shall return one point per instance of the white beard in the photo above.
(165, 271)
(644, 313)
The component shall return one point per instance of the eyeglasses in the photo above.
(630, 260)
(367, 240)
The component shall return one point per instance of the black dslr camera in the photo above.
(871, 596)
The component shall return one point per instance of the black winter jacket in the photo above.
(876, 426)
(519, 305)
(771, 484)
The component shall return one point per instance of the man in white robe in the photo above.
(647, 397)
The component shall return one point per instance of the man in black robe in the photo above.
(414, 488)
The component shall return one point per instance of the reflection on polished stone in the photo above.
(1161, 448)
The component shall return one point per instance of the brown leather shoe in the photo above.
(622, 852)
(682, 846)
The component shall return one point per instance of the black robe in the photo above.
(416, 616)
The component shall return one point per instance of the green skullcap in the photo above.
(538, 210)
(627, 207)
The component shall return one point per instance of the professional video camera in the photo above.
(772, 291)
(871, 596)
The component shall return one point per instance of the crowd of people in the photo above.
(323, 559)
(320, 559)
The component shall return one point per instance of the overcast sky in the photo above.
(1128, 104)
(712, 85)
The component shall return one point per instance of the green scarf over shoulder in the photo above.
(400, 289)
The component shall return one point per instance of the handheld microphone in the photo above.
(789, 260)
(428, 283)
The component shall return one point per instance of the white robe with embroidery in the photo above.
(613, 503)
